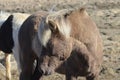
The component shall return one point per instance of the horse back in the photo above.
(84, 29)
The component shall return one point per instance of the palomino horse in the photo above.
(67, 42)
(9, 27)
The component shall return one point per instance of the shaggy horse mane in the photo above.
(59, 18)
(62, 23)
(65, 12)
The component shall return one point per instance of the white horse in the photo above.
(9, 27)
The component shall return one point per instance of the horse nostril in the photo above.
(47, 72)
(44, 72)
(41, 71)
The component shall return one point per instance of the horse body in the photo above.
(87, 33)
(18, 20)
(10, 24)
(65, 42)
(26, 37)
(74, 52)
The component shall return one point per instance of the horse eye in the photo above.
(62, 59)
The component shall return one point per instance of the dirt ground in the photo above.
(106, 14)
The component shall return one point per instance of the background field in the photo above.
(106, 14)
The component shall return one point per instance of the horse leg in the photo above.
(37, 74)
(70, 77)
(92, 77)
(8, 66)
(27, 66)
(26, 72)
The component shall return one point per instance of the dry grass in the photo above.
(106, 14)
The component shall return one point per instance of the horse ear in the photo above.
(53, 25)
(83, 11)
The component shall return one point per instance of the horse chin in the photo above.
(46, 71)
